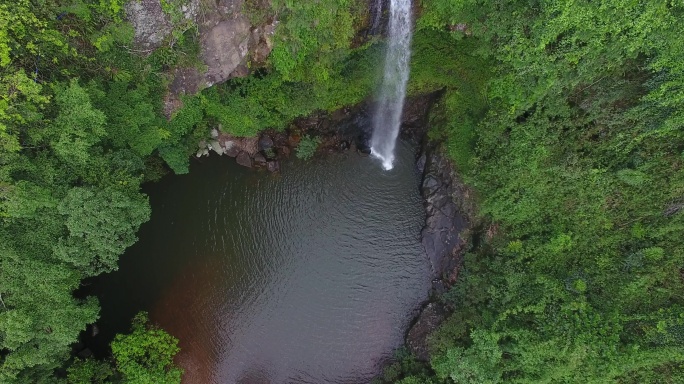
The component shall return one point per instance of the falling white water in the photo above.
(393, 89)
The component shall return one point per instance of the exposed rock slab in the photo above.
(228, 41)
(150, 23)
(232, 149)
(244, 159)
(430, 318)
(259, 159)
(230, 7)
(224, 48)
(447, 208)
(444, 220)
(216, 147)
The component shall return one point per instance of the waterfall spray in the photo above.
(387, 118)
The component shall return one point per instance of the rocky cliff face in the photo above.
(445, 220)
(448, 215)
(151, 24)
(229, 42)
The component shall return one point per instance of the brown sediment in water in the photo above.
(309, 277)
(180, 312)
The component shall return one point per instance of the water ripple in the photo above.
(309, 276)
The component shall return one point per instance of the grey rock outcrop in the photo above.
(229, 43)
(448, 209)
(152, 25)
(224, 48)
(430, 318)
(444, 222)
(150, 22)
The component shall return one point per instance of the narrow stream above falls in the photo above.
(308, 276)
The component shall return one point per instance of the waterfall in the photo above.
(387, 116)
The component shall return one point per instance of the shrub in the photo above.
(307, 147)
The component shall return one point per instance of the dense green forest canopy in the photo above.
(564, 116)
(82, 126)
(576, 157)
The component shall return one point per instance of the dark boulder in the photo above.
(244, 159)
(429, 319)
(265, 143)
(232, 150)
(273, 166)
(259, 159)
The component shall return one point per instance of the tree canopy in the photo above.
(576, 159)
(564, 116)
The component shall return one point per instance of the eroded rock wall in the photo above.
(229, 42)
(445, 237)
(445, 221)
(152, 26)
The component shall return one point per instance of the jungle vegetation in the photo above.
(82, 126)
(564, 116)
(574, 148)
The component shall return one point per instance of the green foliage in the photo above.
(177, 158)
(146, 354)
(631, 177)
(406, 370)
(70, 172)
(133, 118)
(77, 127)
(101, 225)
(576, 157)
(477, 364)
(243, 107)
(72, 151)
(143, 356)
(21, 103)
(311, 37)
(89, 371)
(439, 62)
(39, 318)
(307, 147)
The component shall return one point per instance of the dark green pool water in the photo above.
(308, 276)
